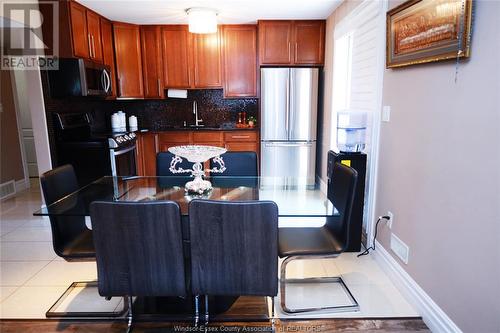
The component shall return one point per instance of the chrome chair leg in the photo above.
(129, 315)
(273, 327)
(206, 310)
(196, 310)
(354, 306)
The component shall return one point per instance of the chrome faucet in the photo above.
(195, 112)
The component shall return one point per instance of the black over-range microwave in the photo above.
(79, 77)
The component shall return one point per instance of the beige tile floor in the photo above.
(32, 277)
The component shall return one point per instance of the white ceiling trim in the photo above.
(229, 12)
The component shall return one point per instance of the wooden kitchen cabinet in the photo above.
(128, 60)
(152, 67)
(190, 60)
(172, 139)
(275, 39)
(309, 37)
(241, 141)
(94, 35)
(85, 32)
(147, 148)
(79, 30)
(239, 60)
(207, 60)
(176, 44)
(108, 53)
(283, 42)
(208, 138)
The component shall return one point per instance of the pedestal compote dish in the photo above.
(197, 155)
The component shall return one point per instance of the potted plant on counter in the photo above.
(252, 121)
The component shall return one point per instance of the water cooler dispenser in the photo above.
(351, 141)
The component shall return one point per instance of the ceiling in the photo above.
(229, 11)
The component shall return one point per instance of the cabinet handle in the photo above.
(240, 136)
(295, 53)
(159, 88)
(93, 46)
(119, 86)
(289, 49)
(89, 39)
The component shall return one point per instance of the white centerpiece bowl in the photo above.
(197, 155)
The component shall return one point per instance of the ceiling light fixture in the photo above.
(202, 20)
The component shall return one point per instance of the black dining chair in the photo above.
(163, 160)
(241, 170)
(72, 240)
(233, 250)
(238, 163)
(328, 241)
(138, 249)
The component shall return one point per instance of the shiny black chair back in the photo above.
(138, 248)
(71, 238)
(343, 181)
(163, 161)
(238, 163)
(234, 248)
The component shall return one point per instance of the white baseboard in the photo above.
(434, 317)
(22, 185)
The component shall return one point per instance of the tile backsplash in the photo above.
(212, 108)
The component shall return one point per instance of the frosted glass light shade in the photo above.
(202, 20)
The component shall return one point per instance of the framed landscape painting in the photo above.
(420, 31)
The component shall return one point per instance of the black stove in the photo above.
(92, 153)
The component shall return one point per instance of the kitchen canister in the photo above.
(115, 122)
(132, 123)
(119, 122)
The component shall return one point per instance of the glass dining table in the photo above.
(297, 205)
(293, 201)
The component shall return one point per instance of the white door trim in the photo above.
(19, 184)
(375, 140)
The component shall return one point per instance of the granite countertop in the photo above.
(181, 128)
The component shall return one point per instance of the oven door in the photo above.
(123, 161)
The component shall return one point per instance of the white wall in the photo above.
(439, 173)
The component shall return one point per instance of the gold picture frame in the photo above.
(422, 31)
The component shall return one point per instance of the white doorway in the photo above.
(358, 68)
(25, 124)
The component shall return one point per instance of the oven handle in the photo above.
(120, 152)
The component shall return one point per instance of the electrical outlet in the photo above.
(391, 219)
(386, 113)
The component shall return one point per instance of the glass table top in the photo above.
(293, 201)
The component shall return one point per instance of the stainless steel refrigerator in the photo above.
(289, 102)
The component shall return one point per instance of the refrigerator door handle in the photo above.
(287, 110)
(291, 105)
(288, 144)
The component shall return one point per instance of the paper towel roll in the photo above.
(177, 93)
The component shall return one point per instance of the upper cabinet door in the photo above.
(108, 54)
(309, 37)
(94, 35)
(152, 68)
(175, 43)
(275, 38)
(128, 60)
(207, 60)
(240, 60)
(80, 36)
